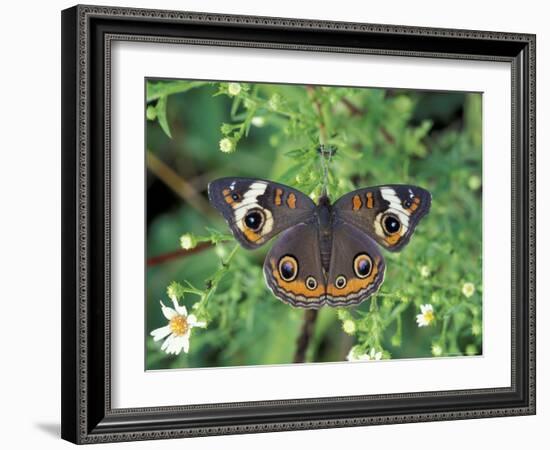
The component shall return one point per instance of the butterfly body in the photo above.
(326, 253)
(323, 216)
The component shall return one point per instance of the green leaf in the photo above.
(161, 115)
(157, 89)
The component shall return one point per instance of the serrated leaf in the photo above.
(296, 153)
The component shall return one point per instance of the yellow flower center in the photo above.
(179, 325)
(429, 316)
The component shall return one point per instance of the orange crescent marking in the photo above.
(370, 200)
(291, 201)
(357, 203)
(394, 239)
(252, 236)
(354, 285)
(278, 194)
(414, 206)
(227, 196)
(297, 286)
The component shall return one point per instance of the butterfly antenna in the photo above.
(326, 152)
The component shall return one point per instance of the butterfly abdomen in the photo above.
(324, 218)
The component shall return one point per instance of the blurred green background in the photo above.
(199, 131)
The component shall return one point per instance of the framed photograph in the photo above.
(282, 224)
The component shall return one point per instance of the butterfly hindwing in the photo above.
(293, 269)
(389, 214)
(356, 266)
(257, 210)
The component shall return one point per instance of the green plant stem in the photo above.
(218, 275)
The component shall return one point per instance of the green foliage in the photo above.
(274, 131)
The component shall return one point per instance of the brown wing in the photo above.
(356, 266)
(293, 269)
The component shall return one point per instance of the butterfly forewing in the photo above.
(388, 214)
(257, 210)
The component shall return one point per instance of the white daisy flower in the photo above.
(354, 355)
(188, 241)
(424, 271)
(227, 145)
(349, 326)
(426, 317)
(234, 89)
(437, 350)
(258, 121)
(178, 330)
(468, 289)
(474, 182)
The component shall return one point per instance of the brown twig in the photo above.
(387, 135)
(356, 111)
(178, 184)
(319, 108)
(180, 253)
(302, 343)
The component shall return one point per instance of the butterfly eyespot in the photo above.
(407, 203)
(235, 196)
(311, 283)
(254, 219)
(288, 268)
(362, 265)
(341, 282)
(391, 224)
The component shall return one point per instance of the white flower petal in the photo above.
(177, 344)
(185, 339)
(168, 312)
(182, 310)
(167, 343)
(174, 301)
(160, 333)
(192, 321)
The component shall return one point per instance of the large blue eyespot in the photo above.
(391, 224)
(362, 265)
(288, 268)
(254, 219)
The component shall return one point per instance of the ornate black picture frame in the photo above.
(87, 35)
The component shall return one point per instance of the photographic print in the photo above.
(295, 223)
(298, 201)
